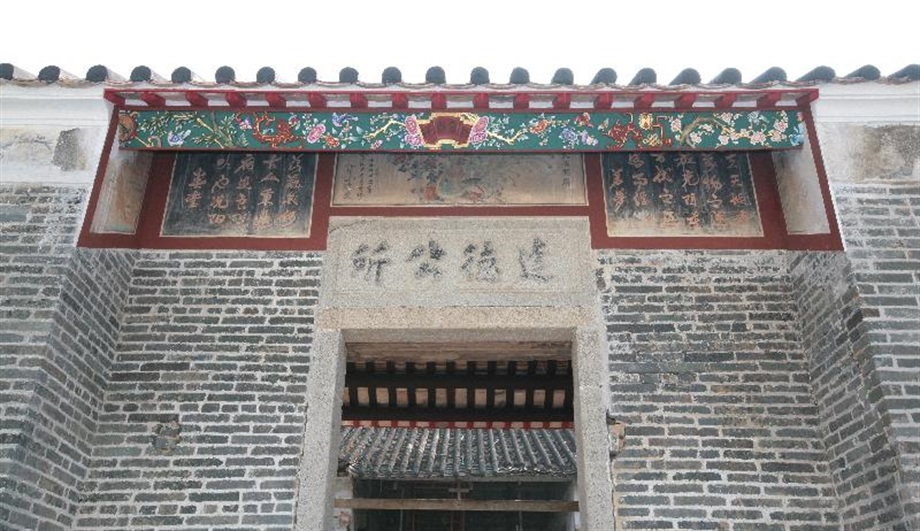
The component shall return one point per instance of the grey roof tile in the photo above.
(439, 453)
(437, 76)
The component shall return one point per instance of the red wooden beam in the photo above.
(275, 100)
(235, 99)
(400, 100)
(316, 100)
(603, 101)
(725, 101)
(114, 98)
(358, 100)
(562, 101)
(438, 101)
(685, 101)
(196, 99)
(769, 99)
(521, 101)
(644, 101)
(481, 101)
(443, 414)
(807, 98)
(153, 100)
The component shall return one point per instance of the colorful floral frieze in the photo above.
(464, 131)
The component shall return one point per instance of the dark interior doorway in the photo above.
(409, 500)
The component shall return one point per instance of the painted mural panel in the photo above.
(475, 179)
(240, 194)
(593, 131)
(680, 194)
(122, 194)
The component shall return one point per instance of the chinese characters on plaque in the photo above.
(476, 262)
(680, 194)
(382, 179)
(241, 194)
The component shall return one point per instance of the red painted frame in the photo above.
(153, 210)
(640, 99)
(87, 237)
(149, 236)
(818, 242)
(771, 215)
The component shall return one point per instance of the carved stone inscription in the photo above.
(372, 262)
(455, 260)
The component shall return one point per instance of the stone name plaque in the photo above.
(458, 261)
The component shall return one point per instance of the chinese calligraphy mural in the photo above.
(469, 179)
(680, 194)
(240, 194)
(454, 131)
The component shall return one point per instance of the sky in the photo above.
(541, 36)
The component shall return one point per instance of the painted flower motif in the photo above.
(781, 125)
(676, 125)
(723, 140)
(754, 117)
(568, 136)
(316, 133)
(776, 136)
(583, 119)
(414, 140)
(587, 139)
(377, 144)
(293, 120)
(481, 125)
(477, 137)
(412, 126)
(244, 123)
(695, 138)
(758, 138)
(727, 117)
(331, 141)
(177, 139)
(540, 126)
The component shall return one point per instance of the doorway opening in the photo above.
(458, 436)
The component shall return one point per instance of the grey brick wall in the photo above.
(708, 374)
(836, 337)
(881, 230)
(205, 409)
(59, 322)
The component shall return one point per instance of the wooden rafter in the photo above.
(459, 382)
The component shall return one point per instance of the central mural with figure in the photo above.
(441, 179)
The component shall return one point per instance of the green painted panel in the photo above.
(460, 131)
